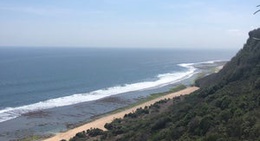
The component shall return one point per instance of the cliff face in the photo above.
(227, 107)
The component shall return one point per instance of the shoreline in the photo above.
(100, 122)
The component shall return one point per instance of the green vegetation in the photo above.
(32, 138)
(149, 98)
(227, 107)
(157, 95)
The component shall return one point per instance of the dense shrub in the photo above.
(227, 107)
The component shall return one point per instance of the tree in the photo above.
(257, 10)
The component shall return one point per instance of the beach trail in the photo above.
(99, 123)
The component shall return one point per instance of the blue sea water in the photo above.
(44, 78)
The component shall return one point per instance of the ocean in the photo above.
(56, 79)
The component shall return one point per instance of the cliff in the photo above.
(227, 107)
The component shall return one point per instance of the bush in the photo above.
(81, 134)
(257, 84)
(94, 132)
(108, 126)
(160, 123)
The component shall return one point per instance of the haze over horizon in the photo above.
(127, 23)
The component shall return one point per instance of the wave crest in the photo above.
(161, 80)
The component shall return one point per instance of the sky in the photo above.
(127, 23)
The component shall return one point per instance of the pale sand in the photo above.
(99, 123)
(219, 68)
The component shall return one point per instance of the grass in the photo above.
(211, 70)
(32, 138)
(149, 98)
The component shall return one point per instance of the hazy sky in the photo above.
(127, 23)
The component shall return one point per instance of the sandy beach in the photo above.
(219, 68)
(99, 123)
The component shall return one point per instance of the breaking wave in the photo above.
(160, 81)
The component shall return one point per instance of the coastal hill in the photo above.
(226, 107)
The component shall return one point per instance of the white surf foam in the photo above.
(162, 80)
